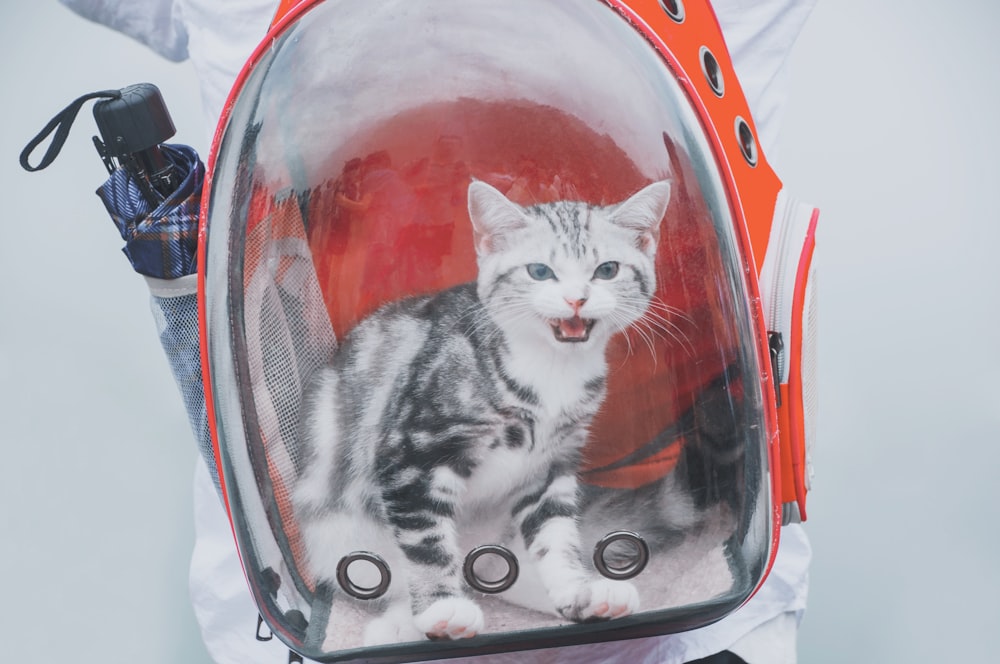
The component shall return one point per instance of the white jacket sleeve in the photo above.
(154, 23)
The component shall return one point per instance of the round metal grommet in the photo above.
(748, 144)
(635, 558)
(674, 9)
(473, 578)
(713, 74)
(355, 589)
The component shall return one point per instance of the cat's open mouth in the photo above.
(573, 329)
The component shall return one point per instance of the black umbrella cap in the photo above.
(136, 121)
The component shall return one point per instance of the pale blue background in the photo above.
(892, 130)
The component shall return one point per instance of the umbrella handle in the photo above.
(60, 124)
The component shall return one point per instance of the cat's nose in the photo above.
(576, 305)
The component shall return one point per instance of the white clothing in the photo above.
(218, 36)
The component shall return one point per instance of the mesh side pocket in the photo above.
(288, 336)
(177, 325)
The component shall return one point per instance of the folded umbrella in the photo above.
(153, 193)
(160, 241)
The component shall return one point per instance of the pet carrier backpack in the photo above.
(378, 167)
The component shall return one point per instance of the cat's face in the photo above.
(566, 273)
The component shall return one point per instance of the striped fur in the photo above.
(457, 419)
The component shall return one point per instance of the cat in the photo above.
(458, 418)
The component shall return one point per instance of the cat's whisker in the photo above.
(646, 341)
(666, 329)
(647, 336)
(628, 351)
(472, 314)
(675, 312)
(641, 329)
(478, 320)
(659, 308)
(502, 308)
(651, 327)
(663, 326)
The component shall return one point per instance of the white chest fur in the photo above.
(559, 376)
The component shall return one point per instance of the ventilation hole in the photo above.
(674, 9)
(748, 144)
(710, 68)
(493, 574)
(363, 575)
(621, 555)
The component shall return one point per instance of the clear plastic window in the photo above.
(407, 196)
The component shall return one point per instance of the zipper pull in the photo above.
(776, 345)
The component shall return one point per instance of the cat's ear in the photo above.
(492, 216)
(643, 211)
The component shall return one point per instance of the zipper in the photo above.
(784, 287)
(788, 239)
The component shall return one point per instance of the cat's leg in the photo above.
(395, 625)
(421, 507)
(547, 521)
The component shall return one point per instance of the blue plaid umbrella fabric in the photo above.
(160, 241)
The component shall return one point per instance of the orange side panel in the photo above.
(758, 185)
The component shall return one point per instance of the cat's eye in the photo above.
(540, 271)
(606, 270)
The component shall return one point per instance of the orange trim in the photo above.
(796, 409)
(283, 9)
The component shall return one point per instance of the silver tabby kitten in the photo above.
(457, 419)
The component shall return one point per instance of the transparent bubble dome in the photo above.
(342, 188)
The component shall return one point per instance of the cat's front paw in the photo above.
(602, 599)
(450, 618)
